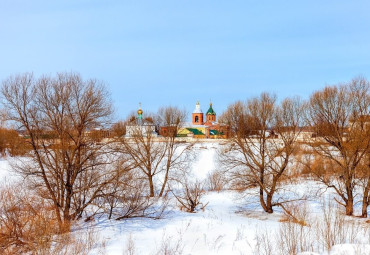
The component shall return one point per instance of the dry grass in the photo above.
(300, 232)
(26, 222)
(28, 225)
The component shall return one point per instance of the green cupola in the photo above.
(210, 115)
(210, 110)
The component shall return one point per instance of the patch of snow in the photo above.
(205, 160)
(350, 249)
(6, 173)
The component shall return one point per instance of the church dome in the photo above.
(210, 110)
(139, 112)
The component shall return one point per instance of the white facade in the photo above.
(140, 130)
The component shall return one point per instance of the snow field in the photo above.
(229, 224)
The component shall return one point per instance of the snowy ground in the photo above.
(216, 230)
(6, 175)
(220, 229)
(228, 225)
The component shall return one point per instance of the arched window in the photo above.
(196, 119)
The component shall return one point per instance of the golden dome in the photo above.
(139, 112)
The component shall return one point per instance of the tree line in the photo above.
(335, 152)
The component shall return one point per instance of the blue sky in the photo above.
(177, 52)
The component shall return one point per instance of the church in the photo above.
(139, 126)
(207, 127)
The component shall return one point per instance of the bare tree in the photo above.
(66, 166)
(172, 118)
(234, 116)
(339, 115)
(263, 145)
(119, 129)
(146, 152)
(157, 156)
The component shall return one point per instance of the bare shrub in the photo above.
(295, 234)
(318, 234)
(216, 181)
(334, 228)
(264, 243)
(27, 223)
(189, 195)
(170, 245)
(330, 230)
(296, 212)
(81, 242)
(126, 197)
(290, 238)
(130, 248)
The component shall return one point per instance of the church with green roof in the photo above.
(199, 128)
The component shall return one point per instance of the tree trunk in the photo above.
(165, 180)
(365, 204)
(151, 186)
(59, 217)
(110, 212)
(349, 205)
(365, 200)
(266, 205)
(269, 203)
(68, 200)
(262, 201)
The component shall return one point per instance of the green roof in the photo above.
(195, 131)
(215, 132)
(210, 110)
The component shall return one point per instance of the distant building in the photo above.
(208, 129)
(168, 131)
(140, 126)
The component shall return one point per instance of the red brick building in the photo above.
(209, 128)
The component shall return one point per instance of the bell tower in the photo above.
(197, 115)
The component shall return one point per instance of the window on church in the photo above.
(196, 119)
